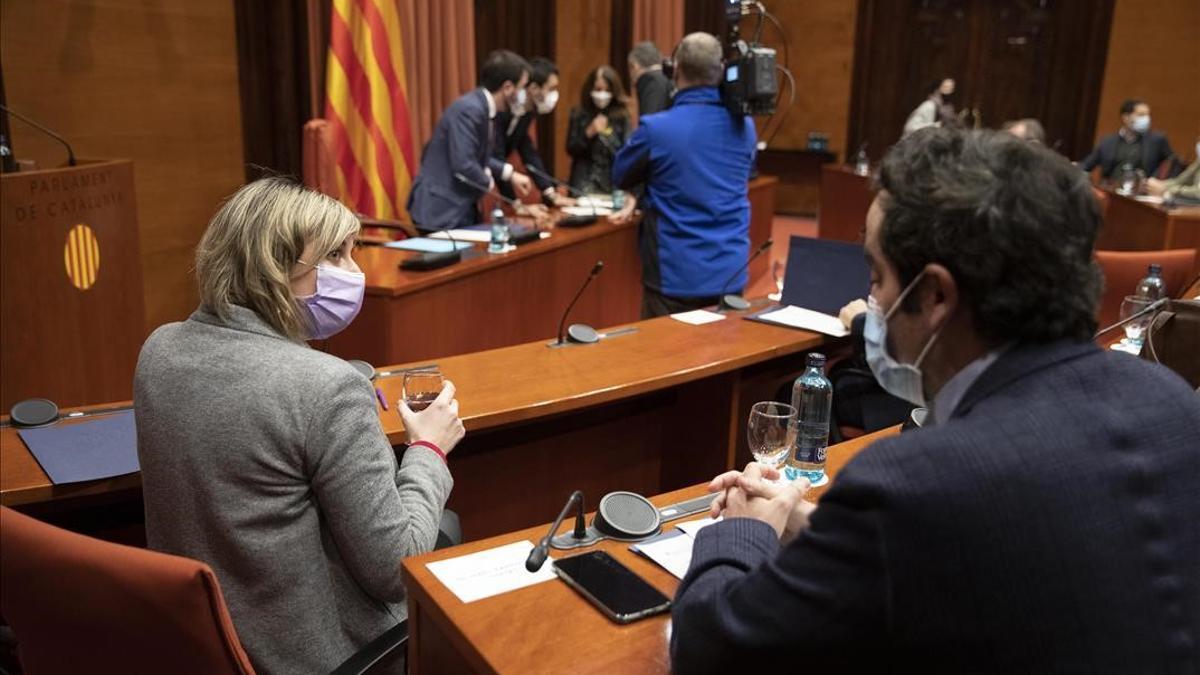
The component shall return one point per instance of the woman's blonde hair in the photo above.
(246, 255)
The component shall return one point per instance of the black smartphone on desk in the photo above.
(613, 588)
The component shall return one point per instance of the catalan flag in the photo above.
(367, 107)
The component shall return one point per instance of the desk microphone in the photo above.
(579, 332)
(1152, 307)
(537, 557)
(573, 220)
(517, 238)
(735, 301)
(35, 125)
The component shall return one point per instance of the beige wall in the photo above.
(821, 34)
(155, 82)
(1154, 54)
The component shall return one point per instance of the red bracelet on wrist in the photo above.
(431, 446)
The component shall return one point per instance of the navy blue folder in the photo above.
(823, 275)
(102, 447)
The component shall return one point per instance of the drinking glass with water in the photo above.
(421, 388)
(770, 432)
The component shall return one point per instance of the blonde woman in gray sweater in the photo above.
(265, 458)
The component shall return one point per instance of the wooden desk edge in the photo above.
(420, 583)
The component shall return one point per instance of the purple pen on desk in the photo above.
(382, 399)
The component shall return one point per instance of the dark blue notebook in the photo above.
(98, 448)
(823, 275)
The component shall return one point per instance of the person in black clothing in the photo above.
(512, 129)
(654, 89)
(597, 130)
(1133, 144)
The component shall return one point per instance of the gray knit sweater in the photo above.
(265, 459)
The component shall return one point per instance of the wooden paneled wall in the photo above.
(155, 82)
(582, 41)
(1154, 54)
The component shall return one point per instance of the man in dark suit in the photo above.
(1133, 144)
(512, 129)
(654, 89)
(1047, 520)
(462, 144)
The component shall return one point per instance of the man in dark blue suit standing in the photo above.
(1045, 522)
(462, 144)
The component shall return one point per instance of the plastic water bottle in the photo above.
(618, 199)
(1152, 287)
(1128, 180)
(500, 233)
(812, 397)
(862, 163)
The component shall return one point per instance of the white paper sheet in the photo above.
(673, 552)
(798, 317)
(698, 317)
(498, 570)
(480, 236)
(587, 211)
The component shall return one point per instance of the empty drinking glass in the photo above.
(770, 433)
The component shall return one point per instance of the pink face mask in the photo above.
(338, 298)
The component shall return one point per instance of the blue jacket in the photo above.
(695, 161)
(460, 144)
(1049, 526)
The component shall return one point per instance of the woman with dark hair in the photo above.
(935, 110)
(598, 128)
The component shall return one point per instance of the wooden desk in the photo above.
(548, 627)
(648, 411)
(799, 173)
(490, 301)
(1132, 225)
(845, 199)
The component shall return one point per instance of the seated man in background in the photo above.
(462, 145)
(1134, 144)
(694, 161)
(653, 88)
(1183, 188)
(1027, 129)
(1043, 521)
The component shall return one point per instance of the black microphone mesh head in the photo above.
(626, 515)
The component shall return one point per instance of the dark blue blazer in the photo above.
(1155, 151)
(1052, 525)
(460, 144)
(515, 138)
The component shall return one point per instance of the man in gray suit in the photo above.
(461, 146)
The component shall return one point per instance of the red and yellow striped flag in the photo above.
(367, 107)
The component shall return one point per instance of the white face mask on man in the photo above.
(902, 380)
(546, 105)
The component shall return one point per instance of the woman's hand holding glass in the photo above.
(438, 424)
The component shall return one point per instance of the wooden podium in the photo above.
(72, 319)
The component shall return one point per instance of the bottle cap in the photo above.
(816, 360)
(1155, 269)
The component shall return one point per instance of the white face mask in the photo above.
(546, 105)
(518, 102)
(1141, 124)
(602, 99)
(902, 380)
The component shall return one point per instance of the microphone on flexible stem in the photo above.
(1152, 307)
(516, 238)
(579, 332)
(35, 125)
(570, 220)
(735, 301)
(537, 557)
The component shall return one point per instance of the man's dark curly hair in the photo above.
(1013, 222)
